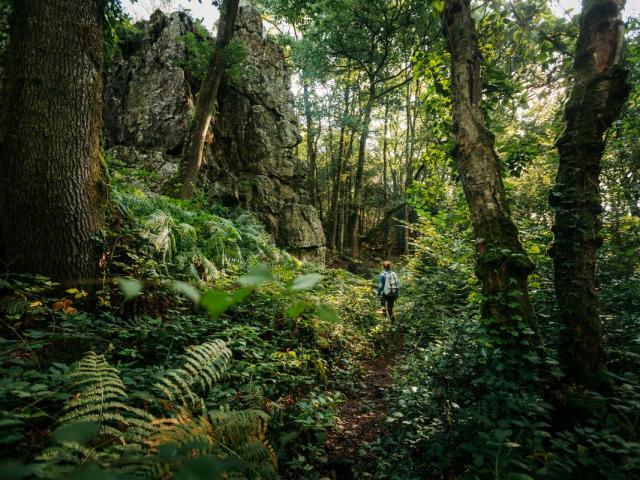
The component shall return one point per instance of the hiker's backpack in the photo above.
(391, 284)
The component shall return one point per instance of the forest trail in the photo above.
(360, 418)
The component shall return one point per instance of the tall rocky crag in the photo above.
(250, 156)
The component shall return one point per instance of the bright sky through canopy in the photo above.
(209, 14)
(205, 11)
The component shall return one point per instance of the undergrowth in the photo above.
(95, 379)
(467, 406)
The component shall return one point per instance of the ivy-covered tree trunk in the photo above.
(597, 96)
(50, 156)
(502, 264)
(207, 98)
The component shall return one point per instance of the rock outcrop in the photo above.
(250, 160)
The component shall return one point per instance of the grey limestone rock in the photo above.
(250, 157)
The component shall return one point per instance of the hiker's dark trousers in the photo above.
(387, 302)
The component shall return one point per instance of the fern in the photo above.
(100, 398)
(130, 440)
(203, 365)
(225, 434)
(158, 230)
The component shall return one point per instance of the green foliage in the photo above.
(238, 71)
(297, 335)
(198, 47)
(203, 365)
(164, 238)
(99, 427)
(119, 31)
(469, 405)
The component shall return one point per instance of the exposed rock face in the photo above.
(147, 100)
(250, 161)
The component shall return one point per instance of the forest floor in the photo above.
(360, 418)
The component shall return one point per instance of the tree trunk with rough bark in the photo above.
(502, 264)
(207, 98)
(51, 161)
(597, 96)
(359, 179)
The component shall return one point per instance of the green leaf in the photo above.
(304, 282)
(79, 432)
(12, 470)
(187, 290)
(294, 310)
(93, 472)
(438, 5)
(534, 250)
(519, 476)
(258, 275)
(207, 468)
(130, 287)
(240, 294)
(502, 435)
(327, 313)
(216, 302)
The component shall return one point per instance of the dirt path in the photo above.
(359, 419)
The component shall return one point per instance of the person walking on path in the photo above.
(388, 289)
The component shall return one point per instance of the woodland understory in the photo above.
(160, 329)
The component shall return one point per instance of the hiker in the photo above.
(388, 289)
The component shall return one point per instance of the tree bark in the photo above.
(338, 174)
(311, 145)
(51, 162)
(346, 194)
(207, 98)
(385, 175)
(359, 179)
(411, 113)
(597, 96)
(502, 264)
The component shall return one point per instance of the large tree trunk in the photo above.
(207, 98)
(50, 156)
(359, 180)
(502, 265)
(597, 96)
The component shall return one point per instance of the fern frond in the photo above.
(101, 399)
(100, 395)
(202, 366)
(158, 231)
(261, 457)
(239, 434)
(237, 426)
(129, 439)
